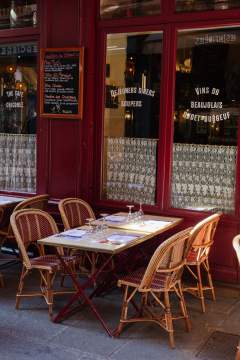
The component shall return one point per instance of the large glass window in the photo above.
(201, 5)
(110, 9)
(18, 13)
(206, 119)
(18, 114)
(131, 117)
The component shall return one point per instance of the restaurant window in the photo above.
(131, 116)
(18, 13)
(112, 9)
(18, 114)
(206, 119)
(201, 5)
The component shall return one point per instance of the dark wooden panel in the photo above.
(64, 159)
(64, 24)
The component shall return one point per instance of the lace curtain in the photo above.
(131, 169)
(18, 162)
(203, 177)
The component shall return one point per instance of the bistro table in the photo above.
(10, 200)
(7, 203)
(112, 240)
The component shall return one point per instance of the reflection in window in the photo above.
(206, 115)
(18, 114)
(18, 13)
(201, 5)
(110, 9)
(133, 68)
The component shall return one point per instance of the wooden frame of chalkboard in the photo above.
(61, 82)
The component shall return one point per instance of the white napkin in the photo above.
(121, 238)
(115, 218)
(74, 233)
(156, 223)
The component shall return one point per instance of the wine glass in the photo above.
(89, 223)
(129, 217)
(140, 211)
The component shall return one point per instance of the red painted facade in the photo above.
(69, 150)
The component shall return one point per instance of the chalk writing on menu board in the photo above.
(61, 83)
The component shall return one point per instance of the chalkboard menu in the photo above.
(62, 82)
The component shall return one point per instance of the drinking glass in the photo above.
(140, 211)
(89, 223)
(129, 217)
(103, 226)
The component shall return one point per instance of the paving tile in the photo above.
(151, 349)
(14, 347)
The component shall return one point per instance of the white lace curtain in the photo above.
(131, 169)
(203, 177)
(18, 162)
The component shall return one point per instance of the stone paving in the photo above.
(29, 334)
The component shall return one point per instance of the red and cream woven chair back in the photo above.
(74, 212)
(30, 225)
(202, 236)
(168, 259)
(35, 202)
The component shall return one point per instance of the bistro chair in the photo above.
(236, 246)
(36, 202)
(30, 225)
(74, 213)
(6, 233)
(154, 285)
(202, 237)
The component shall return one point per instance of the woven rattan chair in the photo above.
(74, 213)
(6, 233)
(202, 237)
(36, 202)
(236, 246)
(30, 225)
(162, 276)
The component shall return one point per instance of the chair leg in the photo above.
(184, 308)
(238, 353)
(49, 293)
(168, 319)
(124, 311)
(1, 280)
(200, 287)
(20, 286)
(210, 280)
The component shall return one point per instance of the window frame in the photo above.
(14, 36)
(170, 23)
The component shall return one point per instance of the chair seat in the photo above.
(193, 259)
(134, 279)
(192, 256)
(51, 262)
